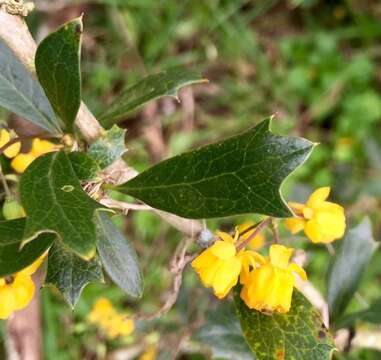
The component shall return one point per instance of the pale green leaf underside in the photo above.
(297, 335)
(118, 257)
(55, 202)
(349, 264)
(23, 95)
(166, 83)
(109, 147)
(69, 273)
(58, 70)
(239, 175)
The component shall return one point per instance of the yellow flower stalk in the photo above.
(269, 287)
(321, 220)
(14, 149)
(17, 291)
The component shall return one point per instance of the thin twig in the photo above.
(257, 230)
(274, 229)
(125, 207)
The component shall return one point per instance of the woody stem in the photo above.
(257, 230)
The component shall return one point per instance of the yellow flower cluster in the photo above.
(321, 220)
(267, 282)
(20, 161)
(112, 323)
(17, 291)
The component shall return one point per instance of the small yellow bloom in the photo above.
(218, 266)
(22, 161)
(40, 147)
(17, 291)
(269, 287)
(257, 242)
(109, 320)
(12, 150)
(321, 220)
(150, 353)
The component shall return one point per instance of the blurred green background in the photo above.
(315, 64)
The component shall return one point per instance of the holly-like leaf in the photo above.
(349, 265)
(109, 147)
(297, 335)
(84, 166)
(12, 257)
(239, 175)
(55, 202)
(118, 257)
(370, 315)
(58, 70)
(222, 333)
(23, 95)
(166, 83)
(69, 273)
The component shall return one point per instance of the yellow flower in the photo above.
(12, 150)
(109, 320)
(218, 266)
(150, 353)
(40, 147)
(22, 161)
(321, 220)
(269, 287)
(257, 242)
(17, 291)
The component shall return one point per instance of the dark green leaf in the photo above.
(58, 70)
(166, 83)
(349, 264)
(22, 94)
(14, 259)
(109, 147)
(55, 202)
(235, 176)
(223, 334)
(85, 167)
(297, 335)
(69, 273)
(118, 257)
(370, 315)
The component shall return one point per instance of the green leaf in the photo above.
(166, 83)
(298, 334)
(118, 257)
(69, 273)
(58, 70)
(109, 147)
(23, 95)
(14, 259)
(235, 176)
(222, 333)
(55, 202)
(349, 265)
(370, 315)
(84, 166)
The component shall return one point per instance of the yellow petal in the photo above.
(225, 236)
(40, 147)
(203, 260)
(318, 197)
(295, 268)
(7, 301)
(23, 289)
(21, 162)
(312, 230)
(4, 137)
(280, 255)
(226, 277)
(295, 224)
(223, 250)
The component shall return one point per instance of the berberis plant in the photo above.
(60, 208)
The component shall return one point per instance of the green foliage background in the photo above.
(315, 64)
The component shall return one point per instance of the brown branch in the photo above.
(257, 230)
